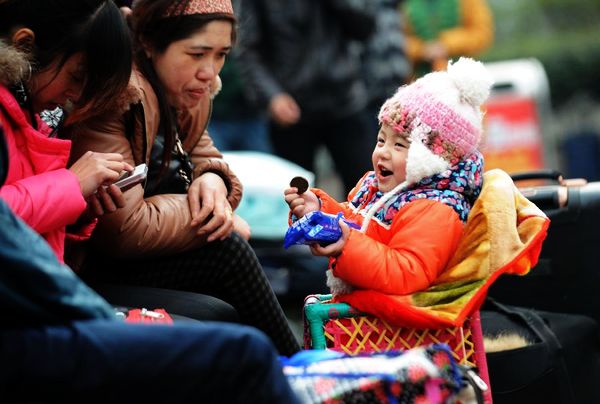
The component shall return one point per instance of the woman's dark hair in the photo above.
(63, 28)
(152, 29)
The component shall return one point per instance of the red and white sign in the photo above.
(512, 135)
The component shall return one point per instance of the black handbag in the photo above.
(177, 176)
(561, 363)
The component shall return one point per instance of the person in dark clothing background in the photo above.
(297, 62)
(385, 63)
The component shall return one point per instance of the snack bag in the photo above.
(315, 227)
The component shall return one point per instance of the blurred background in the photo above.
(564, 36)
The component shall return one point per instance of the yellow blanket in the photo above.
(503, 234)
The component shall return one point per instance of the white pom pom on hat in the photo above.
(472, 80)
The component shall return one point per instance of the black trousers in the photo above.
(228, 270)
(349, 141)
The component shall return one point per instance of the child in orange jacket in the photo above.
(427, 172)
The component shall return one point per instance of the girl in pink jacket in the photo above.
(42, 68)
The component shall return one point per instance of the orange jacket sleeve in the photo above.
(423, 237)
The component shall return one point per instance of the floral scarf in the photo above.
(457, 187)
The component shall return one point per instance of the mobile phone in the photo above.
(131, 178)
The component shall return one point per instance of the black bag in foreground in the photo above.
(567, 276)
(561, 363)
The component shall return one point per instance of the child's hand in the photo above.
(335, 249)
(301, 204)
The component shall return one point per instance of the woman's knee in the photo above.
(235, 242)
(239, 251)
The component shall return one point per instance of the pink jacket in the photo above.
(39, 188)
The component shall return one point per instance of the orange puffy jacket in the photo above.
(400, 258)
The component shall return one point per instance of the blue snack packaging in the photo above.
(315, 227)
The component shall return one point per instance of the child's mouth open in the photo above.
(383, 173)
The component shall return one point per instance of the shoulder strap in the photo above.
(130, 126)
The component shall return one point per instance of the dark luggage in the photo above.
(567, 276)
(560, 365)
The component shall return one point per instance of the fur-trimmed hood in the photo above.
(14, 65)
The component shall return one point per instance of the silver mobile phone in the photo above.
(131, 178)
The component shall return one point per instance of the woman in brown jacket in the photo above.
(177, 230)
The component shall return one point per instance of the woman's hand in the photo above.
(95, 169)
(105, 200)
(301, 204)
(241, 227)
(209, 207)
(335, 249)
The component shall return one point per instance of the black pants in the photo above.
(349, 141)
(228, 270)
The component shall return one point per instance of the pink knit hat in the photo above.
(441, 112)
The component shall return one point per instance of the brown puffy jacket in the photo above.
(160, 224)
